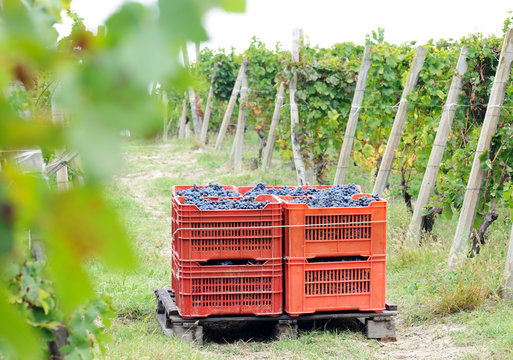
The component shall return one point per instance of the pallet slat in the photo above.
(168, 304)
(377, 325)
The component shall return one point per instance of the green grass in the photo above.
(313, 344)
(418, 280)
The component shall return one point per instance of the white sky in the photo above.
(326, 22)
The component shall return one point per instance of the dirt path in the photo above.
(413, 342)
(157, 162)
(428, 342)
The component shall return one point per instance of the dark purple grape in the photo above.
(335, 199)
(225, 204)
(212, 190)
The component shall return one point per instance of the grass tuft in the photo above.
(464, 289)
(461, 296)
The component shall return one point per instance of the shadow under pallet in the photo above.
(380, 326)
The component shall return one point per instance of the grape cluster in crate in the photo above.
(225, 204)
(212, 190)
(264, 249)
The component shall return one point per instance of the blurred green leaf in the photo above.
(27, 31)
(92, 87)
(81, 221)
(71, 282)
(181, 19)
(233, 5)
(6, 236)
(14, 330)
(80, 225)
(128, 20)
(6, 222)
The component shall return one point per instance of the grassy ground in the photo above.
(443, 315)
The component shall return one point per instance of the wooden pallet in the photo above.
(379, 326)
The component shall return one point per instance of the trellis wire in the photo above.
(397, 105)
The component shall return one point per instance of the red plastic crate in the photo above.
(204, 290)
(361, 231)
(174, 272)
(174, 280)
(228, 234)
(334, 286)
(244, 189)
(176, 188)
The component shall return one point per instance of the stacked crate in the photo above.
(227, 262)
(334, 257)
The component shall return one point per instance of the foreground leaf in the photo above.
(15, 330)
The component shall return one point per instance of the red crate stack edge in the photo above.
(228, 234)
(334, 286)
(314, 237)
(233, 236)
(204, 290)
(303, 260)
(321, 232)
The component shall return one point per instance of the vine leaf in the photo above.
(82, 225)
(447, 211)
(478, 221)
(18, 334)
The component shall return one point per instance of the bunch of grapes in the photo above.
(212, 190)
(260, 188)
(247, 203)
(335, 200)
(339, 190)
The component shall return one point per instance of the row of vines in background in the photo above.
(326, 83)
(263, 68)
(483, 56)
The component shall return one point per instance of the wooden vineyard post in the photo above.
(297, 39)
(271, 137)
(196, 122)
(508, 271)
(183, 118)
(208, 108)
(239, 134)
(400, 119)
(475, 181)
(236, 137)
(58, 118)
(231, 105)
(437, 151)
(62, 176)
(347, 144)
